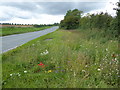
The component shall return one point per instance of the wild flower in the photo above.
(86, 65)
(10, 74)
(41, 64)
(33, 44)
(18, 74)
(58, 67)
(110, 74)
(56, 71)
(83, 71)
(115, 59)
(112, 71)
(98, 69)
(62, 70)
(25, 71)
(49, 71)
(45, 53)
(41, 53)
(68, 61)
(117, 69)
(74, 74)
(106, 49)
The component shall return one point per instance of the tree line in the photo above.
(55, 24)
(102, 21)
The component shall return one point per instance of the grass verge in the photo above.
(63, 59)
(17, 30)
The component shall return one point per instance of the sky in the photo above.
(49, 11)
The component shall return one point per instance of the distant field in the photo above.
(63, 59)
(16, 25)
(17, 30)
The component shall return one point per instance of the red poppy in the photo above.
(41, 64)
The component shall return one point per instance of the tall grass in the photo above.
(0, 71)
(17, 30)
(72, 59)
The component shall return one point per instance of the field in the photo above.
(63, 59)
(16, 26)
(17, 30)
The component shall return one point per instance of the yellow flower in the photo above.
(49, 71)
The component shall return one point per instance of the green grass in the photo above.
(0, 71)
(17, 30)
(77, 59)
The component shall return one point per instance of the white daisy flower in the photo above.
(98, 69)
(10, 74)
(25, 71)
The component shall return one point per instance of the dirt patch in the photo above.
(48, 39)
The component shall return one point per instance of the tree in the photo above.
(71, 19)
(118, 17)
(117, 20)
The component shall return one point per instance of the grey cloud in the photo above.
(51, 8)
(10, 15)
(28, 6)
(62, 7)
(55, 7)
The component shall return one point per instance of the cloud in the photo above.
(8, 13)
(39, 19)
(108, 8)
(43, 12)
(54, 8)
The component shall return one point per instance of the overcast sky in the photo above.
(49, 12)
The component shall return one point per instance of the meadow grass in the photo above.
(63, 59)
(17, 30)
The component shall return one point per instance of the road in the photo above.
(13, 41)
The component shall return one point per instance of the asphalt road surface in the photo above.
(13, 41)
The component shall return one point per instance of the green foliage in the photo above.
(76, 59)
(118, 19)
(17, 30)
(104, 21)
(71, 19)
(100, 21)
